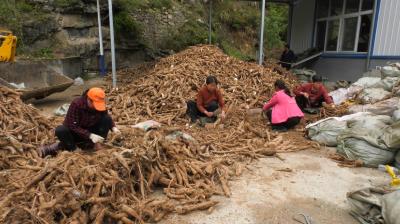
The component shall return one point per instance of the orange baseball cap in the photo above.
(97, 95)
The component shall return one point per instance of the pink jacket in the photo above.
(283, 107)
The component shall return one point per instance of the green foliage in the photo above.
(276, 25)
(191, 33)
(125, 25)
(8, 19)
(240, 19)
(14, 12)
(238, 16)
(231, 50)
(66, 3)
(159, 4)
(130, 5)
(25, 7)
(44, 53)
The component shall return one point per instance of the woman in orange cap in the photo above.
(86, 124)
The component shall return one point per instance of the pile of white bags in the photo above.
(370, 90)
(385, 107)
(343, 94)
(362, 140)
(392, 70)
(367, 82)
(373, 95)
(372, 132)
(387, 83)
(374, 139)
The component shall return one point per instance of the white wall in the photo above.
(387, 40)
(303, 25)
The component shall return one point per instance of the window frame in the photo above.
(341, 19)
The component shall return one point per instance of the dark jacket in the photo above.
(80, 117)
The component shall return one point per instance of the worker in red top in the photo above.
(209, 100)
(86, 124)
(312, 95)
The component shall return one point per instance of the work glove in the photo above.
(96, 138)
(116, 130)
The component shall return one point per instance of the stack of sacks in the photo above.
(373, 139)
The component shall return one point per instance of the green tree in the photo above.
(276, 25)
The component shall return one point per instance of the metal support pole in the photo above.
(261, 45)
(114, 70)
(210, 22)
(371, 38)
(102, 66)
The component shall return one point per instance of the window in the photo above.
(333, 34)
(367, 5)
(336, 7)
(365, 31)
(321, 30)
(352, 6)
(343, 25)
(323, 9)
(349, 36)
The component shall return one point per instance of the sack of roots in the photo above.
(326, 131)
(359, 149)
(375, 205)
(387, 83)
(391, 207)
(385, 107)
(391, 136)
(397, 160)
(391, 71)
(369, 123)
(373, 95)
(367, 82)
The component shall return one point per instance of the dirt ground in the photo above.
(316, 186)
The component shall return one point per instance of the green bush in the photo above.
(239, 19)
(44, 53)
(126, 26)
(191, 33)
(24, 7)
(230, 50)
(159, 4)
(66, 3)
(237, 16)
(276, 26)
(128, 5)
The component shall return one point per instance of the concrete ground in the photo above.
(317, 187)
(52, 102)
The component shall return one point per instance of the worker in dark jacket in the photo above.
(312, 95)
(86, 124)
(287, 57)
(209, 100)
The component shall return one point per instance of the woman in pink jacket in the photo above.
(282, 110)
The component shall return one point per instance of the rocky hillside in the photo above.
(144, 28)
